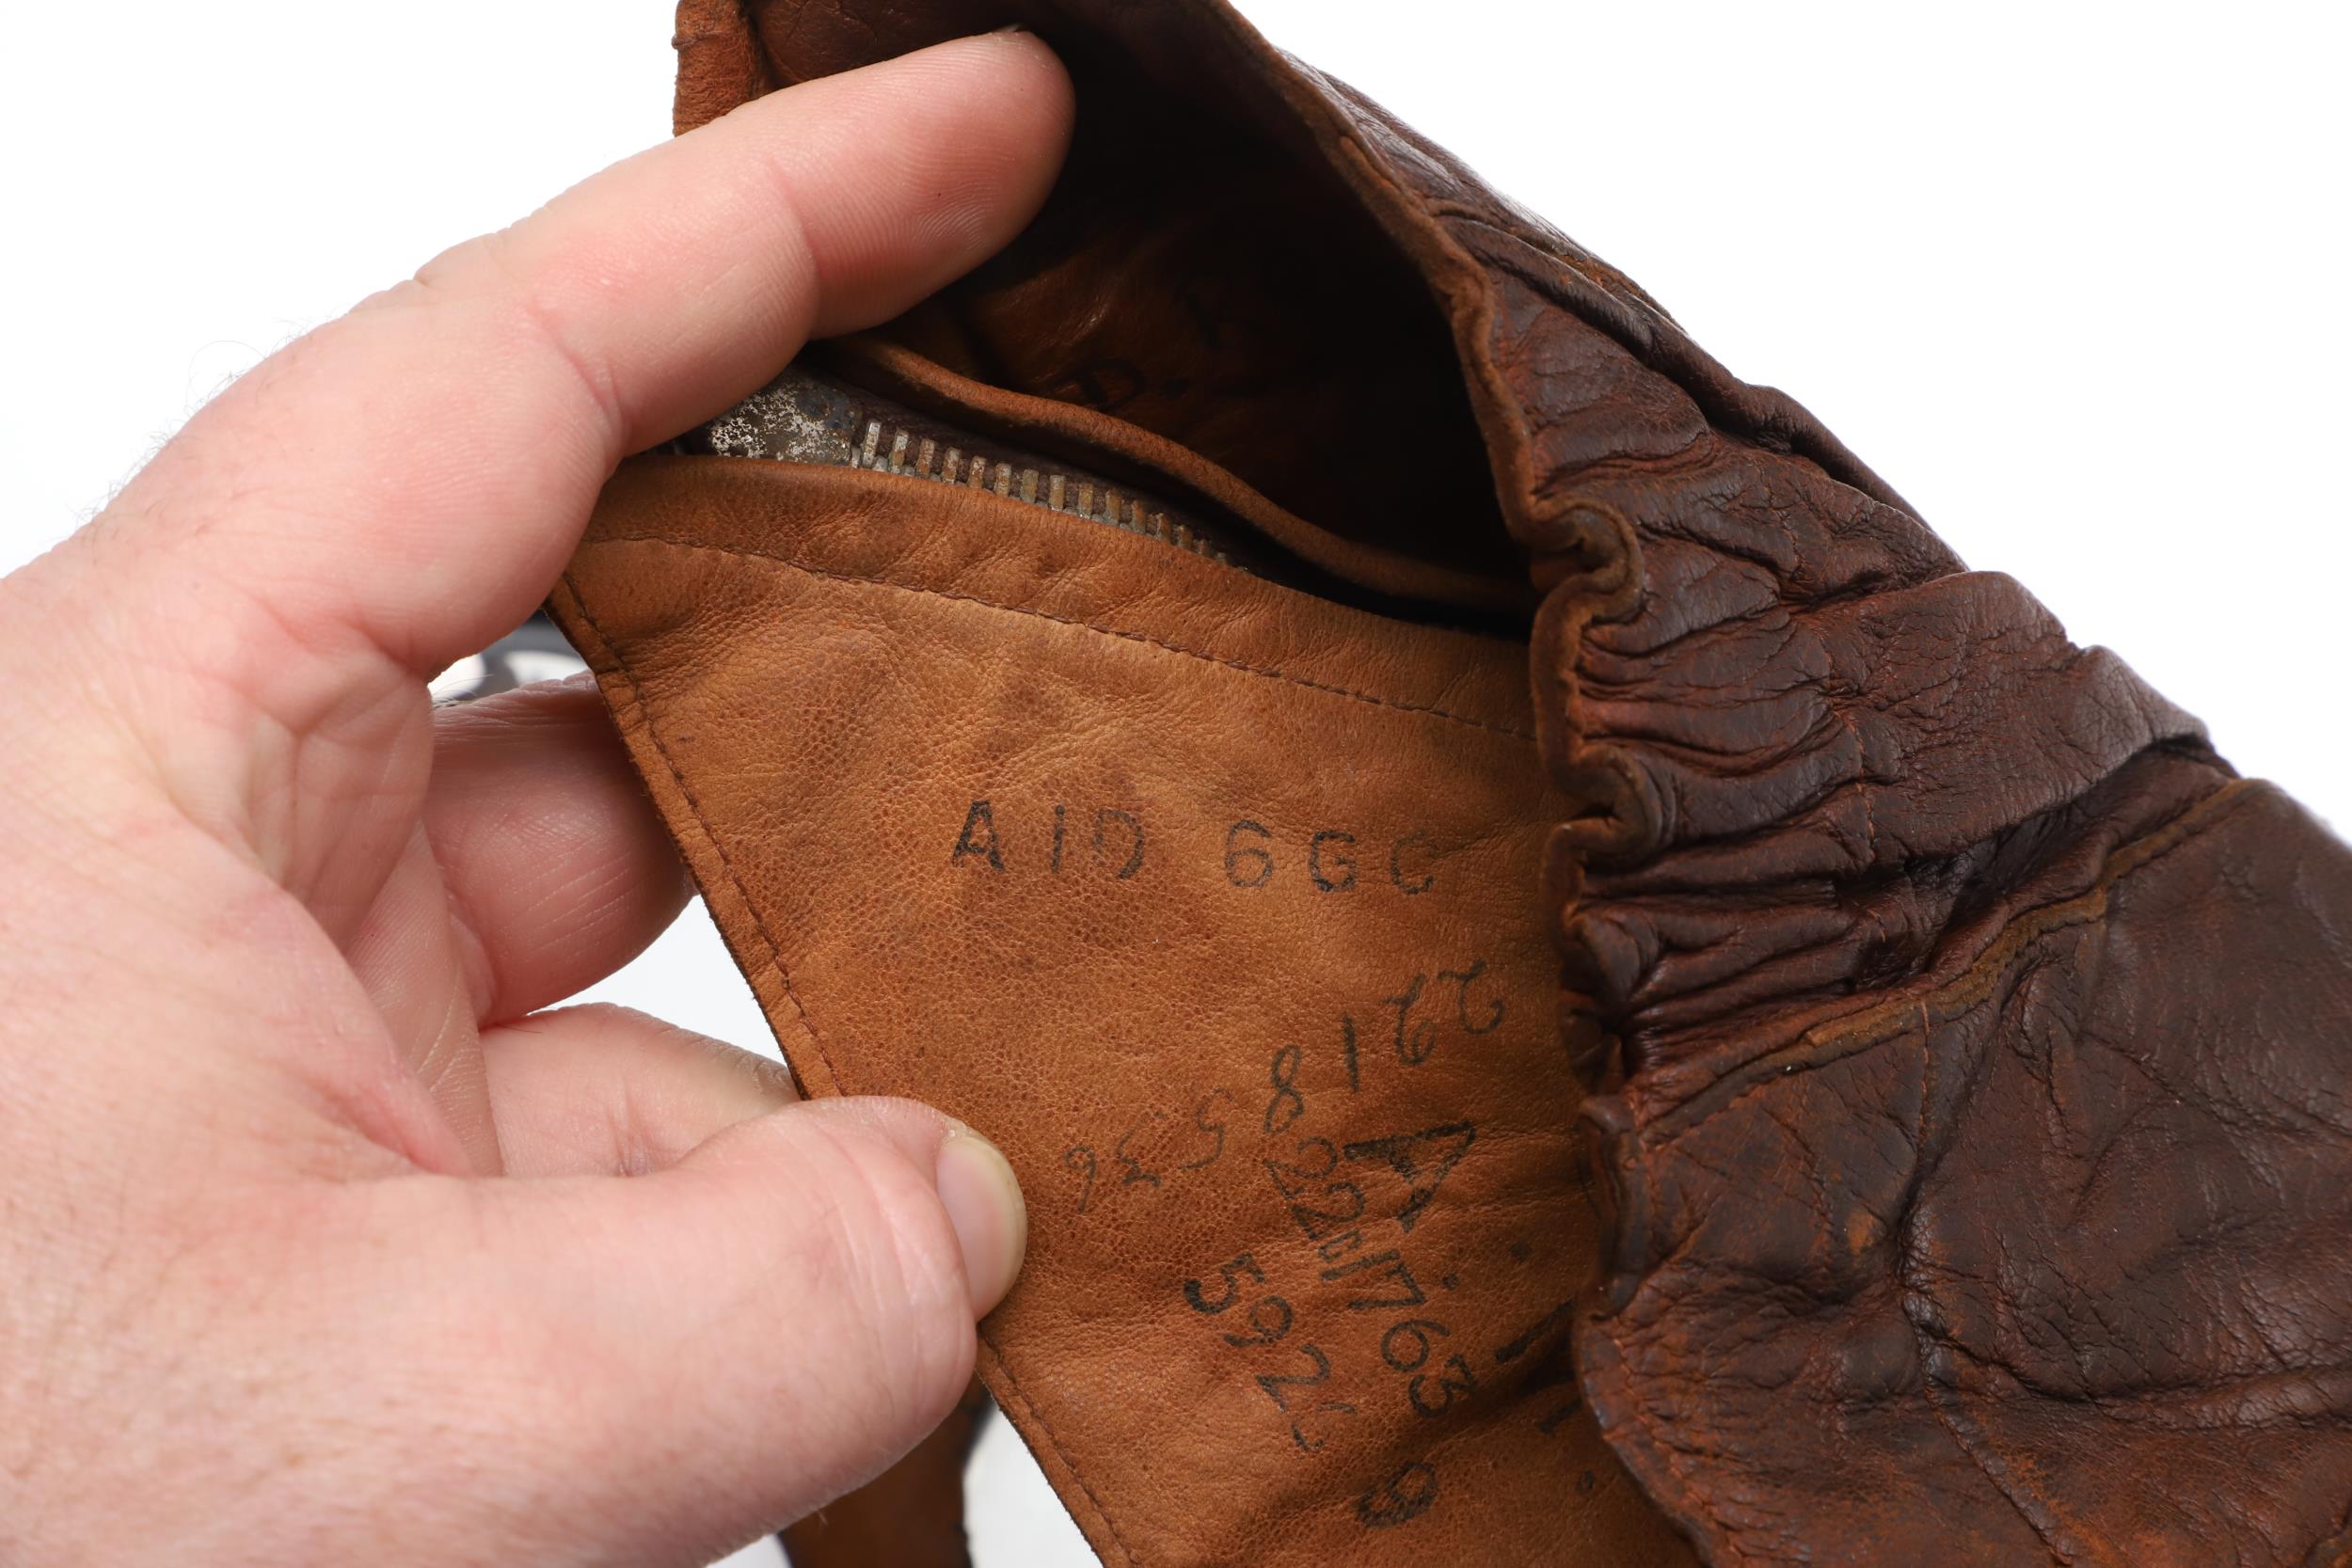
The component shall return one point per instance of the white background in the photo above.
(2070, 276)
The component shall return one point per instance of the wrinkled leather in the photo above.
(1968, 1048)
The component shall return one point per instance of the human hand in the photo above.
(321, 1238)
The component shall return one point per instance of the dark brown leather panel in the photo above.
(2044, 1260)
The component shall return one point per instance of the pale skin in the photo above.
(327, 1235)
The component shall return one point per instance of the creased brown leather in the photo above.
(1975, 1157)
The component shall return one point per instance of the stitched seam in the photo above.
(1698, 1499)
(775, 957)
(2002, 955)
(677, 776)
(2059, 1547)
(2032, 925)
(1899, 1254)
(2184, 830)
(1862, 783)
(1371, 697)
(1014, 1382)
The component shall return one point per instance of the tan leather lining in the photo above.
(1352, 694)
(871, 591)
(1007, 1384)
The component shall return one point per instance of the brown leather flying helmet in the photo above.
(1566, 985)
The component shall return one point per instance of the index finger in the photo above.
(412, 475)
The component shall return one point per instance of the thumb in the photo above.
(742, 1336)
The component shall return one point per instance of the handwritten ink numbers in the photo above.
(1287, 1105)
(1474, 1015)
(1053, 839)
(1213, 1130)
(1079, 1160)
(1134, 1175)
(1231, 1273)
(1270, 1318)
(1435, 1395)
(1490, 1014)
(1413, 1047)
(1403, 1498)
(1405, 1346)
(1247, 862)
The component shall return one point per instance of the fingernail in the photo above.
(1012, 27)
(983, 1201)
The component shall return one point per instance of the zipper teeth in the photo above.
(890, 449)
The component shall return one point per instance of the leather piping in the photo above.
(1854, 1032)
(1373, 698)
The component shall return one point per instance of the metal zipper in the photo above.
(803, 418)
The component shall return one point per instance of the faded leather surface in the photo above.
(1975, 1152)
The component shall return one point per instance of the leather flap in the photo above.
(1209, 902)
